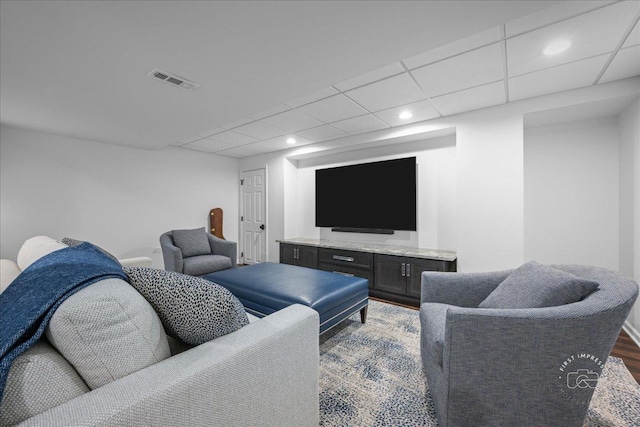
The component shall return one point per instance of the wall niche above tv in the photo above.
(376, 197)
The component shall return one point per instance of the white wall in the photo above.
(119, 198)
(571, 186)
(629, 125)
(436, 200)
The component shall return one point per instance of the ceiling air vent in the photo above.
(173, 79)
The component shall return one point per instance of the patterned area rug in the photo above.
(371, 375)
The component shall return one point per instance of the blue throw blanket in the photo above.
(27, 305)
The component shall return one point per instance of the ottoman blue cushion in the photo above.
(268, 287)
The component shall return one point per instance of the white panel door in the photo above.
(252, 216)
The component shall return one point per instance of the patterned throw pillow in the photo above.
(190, 308)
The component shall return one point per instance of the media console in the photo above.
(394, 272)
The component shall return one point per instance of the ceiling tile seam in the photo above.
(420, 88)
(467, 88)
(560, 65)
(371, 82)
(505, 63)
(623, 39)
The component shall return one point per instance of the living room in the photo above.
(551, 175)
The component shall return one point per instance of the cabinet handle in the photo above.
(295, 253)
(407, 270)
(402, 269)
(343, 258)
(344, 274)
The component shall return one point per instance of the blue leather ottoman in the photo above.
(268, 287)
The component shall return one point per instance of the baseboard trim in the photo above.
(632, 332)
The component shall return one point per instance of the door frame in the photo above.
(241, 247)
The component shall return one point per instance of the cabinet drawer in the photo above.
(346, 258)
(348, 271)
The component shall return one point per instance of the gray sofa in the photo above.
(514, 367)
(106, 360)
(220, 254)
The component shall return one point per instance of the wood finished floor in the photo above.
(624, 348)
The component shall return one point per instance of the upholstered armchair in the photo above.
(196, 252)
(518, 366)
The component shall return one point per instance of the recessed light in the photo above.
(291, 141)
(405, 115)
(556, 47)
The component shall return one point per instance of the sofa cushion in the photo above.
(107, 331)
(35, 248)
(534, 285)
(192, 242)
(9, 270)
(204, 264)
(39, 379)
(191, 309)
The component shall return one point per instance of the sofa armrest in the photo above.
(264, 374)
(224, 247)
(141, 261)
(459, 289)
(171, 254)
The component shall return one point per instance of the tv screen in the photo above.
(368, 196)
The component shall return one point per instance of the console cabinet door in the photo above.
(388, 274)
(307, 256)
(287, 254)
(414, 271)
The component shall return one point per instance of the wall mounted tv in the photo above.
(377, 197)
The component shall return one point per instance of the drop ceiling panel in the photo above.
(312, 97)
(594, 33)
(459, 46)
(421, 110)
(634, 36)
(360, 124)
(332, 109)
(233, 138)
(556, 79)
(243, 151)
(236, 123)
(471, 99)
(270, 112)
(260, 130)
(470, 69)
(550, 15)
(292, 121)
(322, 133)
(387, 93)
(210, 132)
(625, 64)
(208, 145)
(187, 140)
(371, 77)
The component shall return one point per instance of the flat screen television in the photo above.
(376, 197)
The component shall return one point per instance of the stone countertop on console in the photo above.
(443, 255)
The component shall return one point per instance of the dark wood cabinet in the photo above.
(391, 276)
(349, 263)
(303, 256)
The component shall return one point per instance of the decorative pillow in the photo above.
(39, 379)
(534, 285)
(191, 309)
(74, 242)
(107, 331)
(35, 248)
(192, 242)
(9, 270)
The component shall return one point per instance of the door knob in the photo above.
(261, 226)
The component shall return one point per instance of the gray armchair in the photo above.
(514, 367)
(196, 253)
